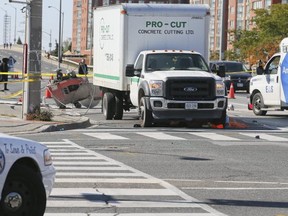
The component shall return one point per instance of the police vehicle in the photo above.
(26, 176)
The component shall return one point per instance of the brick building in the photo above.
(226, 15)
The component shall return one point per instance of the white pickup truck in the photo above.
(153, 57)
(269, 89)
(26, 176)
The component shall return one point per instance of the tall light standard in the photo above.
(15, 21)
(60, 32)
(50, 42)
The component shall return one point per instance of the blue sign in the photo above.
(284, 77)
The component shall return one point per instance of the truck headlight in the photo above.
(220, 88)
(227, 78)
(47, 158)
(156, 87)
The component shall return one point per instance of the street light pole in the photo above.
(50, 36)
(15, 21)
(60, 32)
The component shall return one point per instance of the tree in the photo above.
(271, 26)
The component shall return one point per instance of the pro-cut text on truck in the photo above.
(269, 89)
(153, 57)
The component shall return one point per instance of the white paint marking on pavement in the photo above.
(106, 136)
(160, 136)
(78, 163)
(265, 137)
(215, 136)
(231, 188)
(81, 168)
(107, 180)
(111, 192)
(74, 158)
(134, 173)
(71, 153)
(129, 214)
(122, 204)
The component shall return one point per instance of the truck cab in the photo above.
(176, 85)
(269, 88)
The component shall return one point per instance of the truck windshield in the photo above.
(175, 61)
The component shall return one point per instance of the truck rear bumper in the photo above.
(187, 110)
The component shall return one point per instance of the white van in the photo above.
(269, 89)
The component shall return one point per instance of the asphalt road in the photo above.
(116, 167)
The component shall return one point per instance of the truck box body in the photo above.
(121, 32)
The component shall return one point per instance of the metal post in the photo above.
(32, 90)
(60, 42)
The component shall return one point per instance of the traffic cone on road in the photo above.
(48, 93)
(231, 92)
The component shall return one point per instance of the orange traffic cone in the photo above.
(48, 93)
(231, 91)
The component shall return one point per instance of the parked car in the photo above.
(235, 72)
(26, 176)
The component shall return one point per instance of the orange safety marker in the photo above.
(48, 93)
(231, 91)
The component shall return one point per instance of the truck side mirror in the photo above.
(221, 71)
(130, 70)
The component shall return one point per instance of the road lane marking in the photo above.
(160, 136)
(81, 192)
(106, 136)
(215, 136)
(265, 137)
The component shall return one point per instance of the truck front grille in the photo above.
(190, 89)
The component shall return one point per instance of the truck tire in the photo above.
(257, 102)
(118, 106)
(23, 193)
(108, 105)
(146, 118)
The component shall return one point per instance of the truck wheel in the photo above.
(118, 106)
(257, 102)
(23, 193)
(108, 105)
(146, 117)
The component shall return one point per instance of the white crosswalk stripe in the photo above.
(267, 137)
(90, 171)
(182, 136)
(160, 136)
(106, 136)
(214, 136)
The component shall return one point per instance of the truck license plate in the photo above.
(191, 105)
(239, 84)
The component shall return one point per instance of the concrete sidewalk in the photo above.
(12, 122)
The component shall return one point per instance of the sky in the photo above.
(50, 20)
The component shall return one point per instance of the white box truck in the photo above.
(269, 88)
(153, 57)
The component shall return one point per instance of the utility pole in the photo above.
(32, 90)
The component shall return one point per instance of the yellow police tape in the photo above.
(13, 95)
(40, 74)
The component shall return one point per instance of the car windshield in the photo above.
(175, 61)
(234, 67)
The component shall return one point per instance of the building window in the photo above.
(257, 5)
